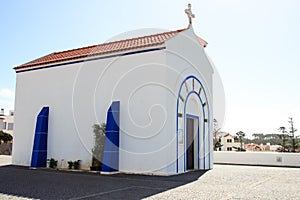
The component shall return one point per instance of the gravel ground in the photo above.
(223, 182)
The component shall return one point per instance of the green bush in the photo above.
(70, 164)
(52, 163)
(76, 164)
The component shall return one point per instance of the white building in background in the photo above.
(154, 93)
(7, 122)
(228, 142)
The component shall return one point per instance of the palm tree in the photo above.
(241, 136)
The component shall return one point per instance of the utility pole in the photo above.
(292, 131)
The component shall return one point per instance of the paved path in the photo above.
(52, 184)
(223, 182)
(240, 182)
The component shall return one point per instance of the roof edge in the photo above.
(35, 62)
(90, 58)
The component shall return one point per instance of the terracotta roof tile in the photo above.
(105, 48)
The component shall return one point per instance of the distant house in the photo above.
(262, 147)
(254, 147)
(275, 147)
(228, 142)
(7, 122)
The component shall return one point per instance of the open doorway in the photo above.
(192, 142)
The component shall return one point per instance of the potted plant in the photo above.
(70, 164)
(52, 163)
(76, 164)
(97, 151)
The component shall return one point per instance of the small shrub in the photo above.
(70, 164)
(97, 151)
(76, 164)
(52, 163)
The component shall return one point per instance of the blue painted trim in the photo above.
(91, 59)
(208, 139)
(39, 149)
(177, 108)
(198, 144)
(111, 144)
(192, 116)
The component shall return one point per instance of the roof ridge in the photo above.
(145, 36)
(106, 43)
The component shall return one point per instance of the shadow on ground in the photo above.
(53, 184)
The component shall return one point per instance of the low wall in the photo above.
(257, 158)
(5, 160)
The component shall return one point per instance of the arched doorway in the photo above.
(192, 126)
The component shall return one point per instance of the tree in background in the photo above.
(292, 134)
(5, 137)
(283, 136)
(216, 139)
(294, 142)
(241, 136)
(259, 138)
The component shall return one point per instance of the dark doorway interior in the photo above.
(190, 143)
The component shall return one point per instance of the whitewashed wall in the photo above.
(79, 95)
(258, 158)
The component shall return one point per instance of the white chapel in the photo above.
(153, 92)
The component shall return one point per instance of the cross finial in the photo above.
(189, 13)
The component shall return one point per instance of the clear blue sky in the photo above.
(254, 44)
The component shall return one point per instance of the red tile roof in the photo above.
(105, 48)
